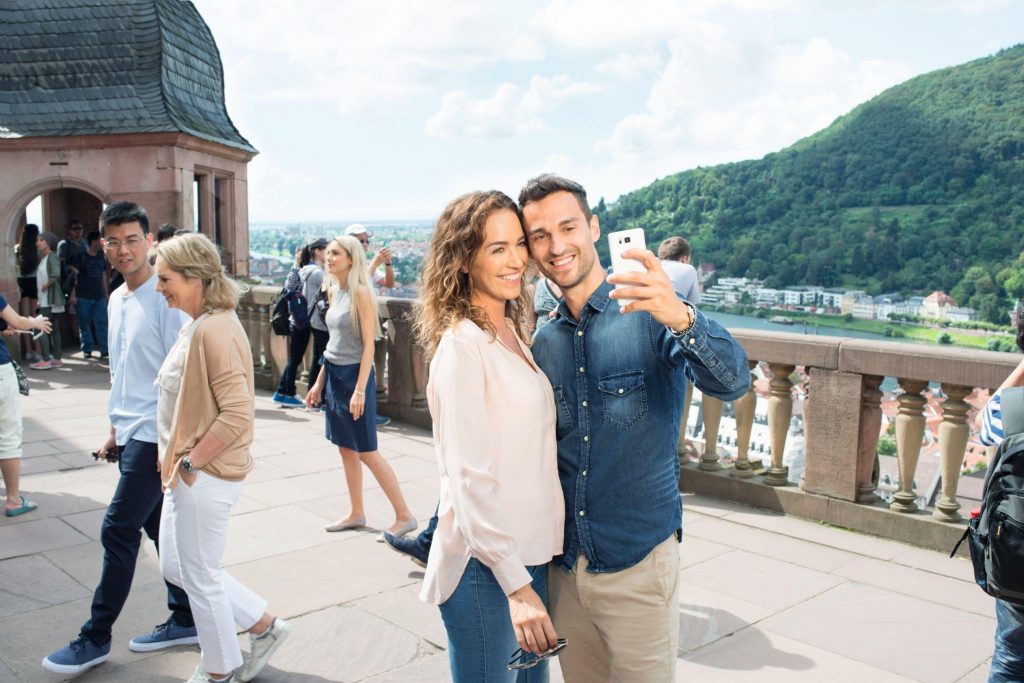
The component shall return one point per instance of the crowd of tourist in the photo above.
(555, 407)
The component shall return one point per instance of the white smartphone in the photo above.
(622, 241)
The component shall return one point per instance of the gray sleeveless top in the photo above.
(344, 347)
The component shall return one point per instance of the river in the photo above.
(731, 320)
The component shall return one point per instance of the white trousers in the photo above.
(193, 532)
(10, 414)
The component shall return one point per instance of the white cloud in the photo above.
(716, 101)
(627, 66)
(361, 53)
(611, 24)
(510, 112)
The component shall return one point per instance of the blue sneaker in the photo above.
(383, 420)
(409, 547)
(79, 655)
(287, 401)
(167, 634)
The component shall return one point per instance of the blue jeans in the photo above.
(92, 312)
(1008, 657)
(298, 341)
(134, 508)
(480, 636)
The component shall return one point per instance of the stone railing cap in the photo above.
(789, 348)
(965, 367)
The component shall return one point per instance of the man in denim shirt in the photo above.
(619, 373)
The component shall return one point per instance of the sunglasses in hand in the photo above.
(522, 659)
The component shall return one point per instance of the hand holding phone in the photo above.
(645, 280)
(621, 242)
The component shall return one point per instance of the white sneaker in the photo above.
(261, 648)
(200, 676)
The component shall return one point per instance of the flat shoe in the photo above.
(343, 526)
(26, 506)
(401, 531)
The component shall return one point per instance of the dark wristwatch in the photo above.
(186, 464)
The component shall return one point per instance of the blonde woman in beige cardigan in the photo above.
(205, 448)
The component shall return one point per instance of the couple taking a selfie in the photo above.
(560, 516)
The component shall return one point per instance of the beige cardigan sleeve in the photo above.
(223, 350)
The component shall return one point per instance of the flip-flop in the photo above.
(26, 506)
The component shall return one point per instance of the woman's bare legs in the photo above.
(385, 476)
(11, 469)
(354, 479)
(27, 307)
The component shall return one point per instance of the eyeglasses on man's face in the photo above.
(522, 659)
(131, 243)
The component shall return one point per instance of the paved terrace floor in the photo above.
(764, 597)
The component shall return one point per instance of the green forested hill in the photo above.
(920, 188)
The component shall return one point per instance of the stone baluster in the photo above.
(744, 408)
(953, 436)
(246, 317)
(681, 442)
(712, 408)
(870, 426)
(910, 426)
(261, 323)
(780, 412)
(380, 364)
(419, 378)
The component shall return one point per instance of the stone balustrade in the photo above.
(842, 419)
(400, 367)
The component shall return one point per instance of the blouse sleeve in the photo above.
(464, 434)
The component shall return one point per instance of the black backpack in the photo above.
(996, 536)
(279, 316)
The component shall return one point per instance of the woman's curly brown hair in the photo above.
(444, 296)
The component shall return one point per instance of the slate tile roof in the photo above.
(84, 67)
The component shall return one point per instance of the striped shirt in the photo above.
(991, 433)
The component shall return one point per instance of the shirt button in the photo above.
(622, 391)
(586, 438)
(584, 473)
(581, 369)
(580, 333)
(584, 404)
(692, 341)
(583, 513)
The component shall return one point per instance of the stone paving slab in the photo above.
(759, 580)
(763, 597)
(780, 546)
(911, 637)
(757, 656)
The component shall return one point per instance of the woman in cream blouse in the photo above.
(501, 512)
(205, 449)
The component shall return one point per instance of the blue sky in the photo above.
(377, 109)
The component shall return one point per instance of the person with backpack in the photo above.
(304, 322)
(1008, 655)
(298, 329)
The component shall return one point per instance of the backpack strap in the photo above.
(1011, 405)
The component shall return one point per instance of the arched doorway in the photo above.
(60, 201)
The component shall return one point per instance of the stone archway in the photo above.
(13, 210)
(10, 215)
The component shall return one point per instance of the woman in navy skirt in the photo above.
(348, 387)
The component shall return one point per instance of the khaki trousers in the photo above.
(621, 627)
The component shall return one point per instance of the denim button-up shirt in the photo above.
(619, 383)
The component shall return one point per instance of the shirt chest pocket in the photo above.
(625, 398)
(563, 424)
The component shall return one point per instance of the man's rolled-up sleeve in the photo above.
(714, 361)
